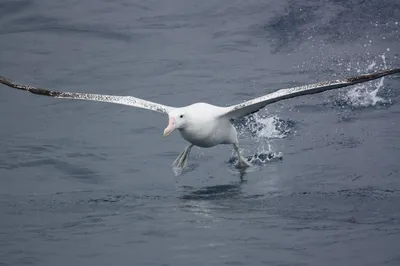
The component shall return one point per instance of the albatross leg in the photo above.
(181, 161)
(242, 162)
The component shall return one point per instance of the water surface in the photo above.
(92, 183)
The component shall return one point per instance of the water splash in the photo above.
(264, 127)
(338, 63)
(265, 153)
(366, 94)
(363, 96)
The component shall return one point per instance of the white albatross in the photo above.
(205, 125)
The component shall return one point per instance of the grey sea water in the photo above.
(85, 183)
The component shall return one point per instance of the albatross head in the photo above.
(177, 120)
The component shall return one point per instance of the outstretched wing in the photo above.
(252, 106)
(125, 100)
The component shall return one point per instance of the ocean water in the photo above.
(86, 183)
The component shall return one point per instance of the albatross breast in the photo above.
(206, 127)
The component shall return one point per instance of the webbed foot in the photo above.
(182, 160)
(242, 162)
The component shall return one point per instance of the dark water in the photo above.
(92, 184)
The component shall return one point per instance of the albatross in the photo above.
(205, 125)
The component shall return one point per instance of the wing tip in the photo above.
(8, 82)
(372, 76)
(39, 91)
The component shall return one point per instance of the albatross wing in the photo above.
(125, 100)
(254, 105)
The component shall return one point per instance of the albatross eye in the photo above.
(181, 116)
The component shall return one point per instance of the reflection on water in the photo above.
(218, 192)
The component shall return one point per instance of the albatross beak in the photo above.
(171, 126)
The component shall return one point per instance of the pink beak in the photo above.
(171, 126)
